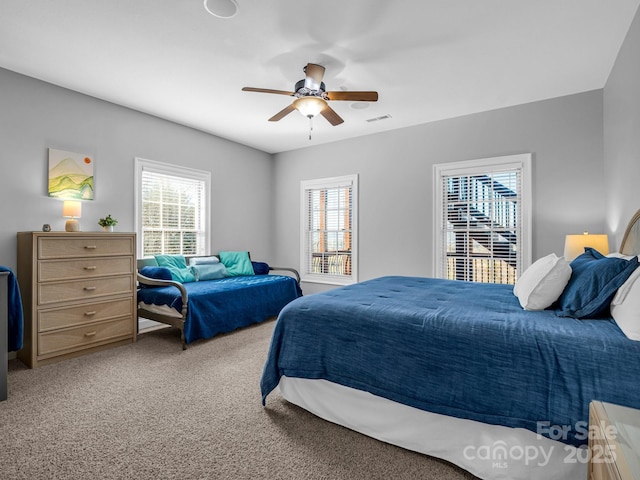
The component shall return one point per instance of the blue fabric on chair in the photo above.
(15, 314)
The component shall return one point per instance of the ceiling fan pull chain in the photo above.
(310, 126)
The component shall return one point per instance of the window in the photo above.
(328, 249)
(172, 209)
(483, 219)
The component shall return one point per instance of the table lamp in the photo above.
(72, 209)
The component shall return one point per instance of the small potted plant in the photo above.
(107, 223)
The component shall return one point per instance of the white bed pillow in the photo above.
(543, 282)
(626, 286)
(625, 306)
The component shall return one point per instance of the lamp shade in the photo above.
(72, 209)
(574, 245)
(309, 106)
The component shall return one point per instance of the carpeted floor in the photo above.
(152, 411)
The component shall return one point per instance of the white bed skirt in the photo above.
(487, 451)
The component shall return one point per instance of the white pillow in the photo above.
(204, 260)
(543, 282)
(625, 306)
(626, 286)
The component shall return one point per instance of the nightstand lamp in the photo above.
(72, 209)
(574, 245)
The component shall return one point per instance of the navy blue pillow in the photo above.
(157, 273)
(260, 268)
(593, 283)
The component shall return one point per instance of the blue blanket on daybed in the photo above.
(218, 306)
(457, 348)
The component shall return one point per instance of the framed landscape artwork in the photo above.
(70, 175)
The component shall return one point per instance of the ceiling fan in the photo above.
(311, 97)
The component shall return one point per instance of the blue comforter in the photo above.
(218, 306)
(457, 348)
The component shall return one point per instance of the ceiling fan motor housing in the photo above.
(302, 91)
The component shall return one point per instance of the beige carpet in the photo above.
(152, 411)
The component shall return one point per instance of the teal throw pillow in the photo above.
(237, 263)
(177, 265)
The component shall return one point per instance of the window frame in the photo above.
(154, 166)
(521, 162)
(328, 183)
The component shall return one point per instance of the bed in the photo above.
(456, 370)
(214, 304)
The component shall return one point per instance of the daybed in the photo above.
(204, 308)
(460, 370)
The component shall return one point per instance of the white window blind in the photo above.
(483, 209)
(172, 209)
(329, 230)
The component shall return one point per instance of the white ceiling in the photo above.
(428, 59)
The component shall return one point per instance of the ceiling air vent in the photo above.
(375, 119)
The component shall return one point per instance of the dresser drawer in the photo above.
(49, 270)
(84, 336)
(51, 293)
(60, 247)
(80, 315)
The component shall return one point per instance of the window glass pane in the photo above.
(151, 215)
(172, 210)
(328, 237)
(189, 243)
(152, 243)
(170, 217)
(481, 220)
(188, 218)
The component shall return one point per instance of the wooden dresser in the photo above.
(78, 293)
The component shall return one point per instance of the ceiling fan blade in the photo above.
(282, 113)
(331, 115)
(353, 96)
(267, 90)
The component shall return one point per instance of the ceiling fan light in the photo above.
(309, 106)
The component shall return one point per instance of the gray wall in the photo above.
(622, 134)
(256, 195)
(35, 116)
(564, 135)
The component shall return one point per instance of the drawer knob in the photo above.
(90, 314)
(89, 289)
(90, 334)
(93, 267)
(90, 247)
